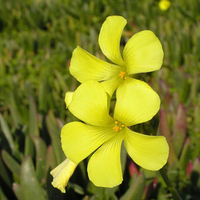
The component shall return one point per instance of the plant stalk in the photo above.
(167, 181)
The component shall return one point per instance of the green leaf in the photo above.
(33, 126)
(77, 188)
(50, 162)
(7, 133)
(186, 14)
(196, 172)
(30, 186)
(182, 86)
(110, 192)
(14, 111)
(4, 174)
(123, 158)
(18, 191)
(11, 163)
(164, 127)
(186, 154)
(2, 195)
(29, 147)
(61, 81)
(40, 157)
(136, 190)
(180, 127)
(43, 96)
(83, 170)
(54, 132)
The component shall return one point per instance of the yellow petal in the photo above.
(164, 4)
(80, 140)
(104, 167)
(150, 152)
(62, 173)
(136, 102)
(89, 104)
(68, 98)
(109, 38)
(143, 53)
(111, 84)
(84, 66)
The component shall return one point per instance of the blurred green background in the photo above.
(37, 39)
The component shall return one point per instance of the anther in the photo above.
(118, 126)
(122, 75)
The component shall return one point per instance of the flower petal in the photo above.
(80, 140)
(89, 104)
(111, 85)
(104, 167)
(150, 152)
(68, 98)
(85, 66)
(136, 102)
(164, 4)
(62, 173)
(143, 53)
(109, 38)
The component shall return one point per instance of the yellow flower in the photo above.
(142, 53)
(164, 4)
(102, 134)
(62, 173)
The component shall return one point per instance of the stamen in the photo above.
(122, 75)
(118, 126)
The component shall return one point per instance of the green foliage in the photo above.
(37, 39)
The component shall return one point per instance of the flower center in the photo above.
(122, 75)
(118, 126)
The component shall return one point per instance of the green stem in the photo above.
(167, 181)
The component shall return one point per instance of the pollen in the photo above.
(122, 75)
(118, 126)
